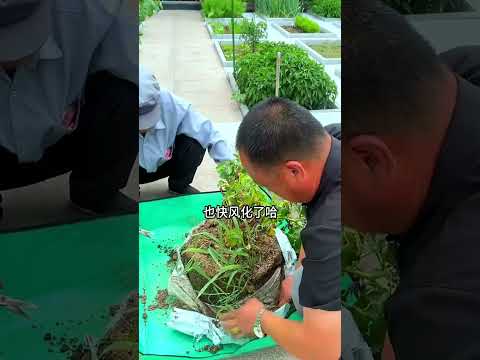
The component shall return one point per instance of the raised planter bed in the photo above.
(227, 63)
(220, 36)
(281, 25)
(321, 115)
(320, 50)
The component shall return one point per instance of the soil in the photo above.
(173, 258)
(212, 349)
(265, 248)
(293, 29)
(124, 329)
(271, 258)
(160, 301)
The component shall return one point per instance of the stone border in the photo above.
(244, 109)
(338, 71)
(277, 25)
(233, 85)
(304, 44)
(226, 63)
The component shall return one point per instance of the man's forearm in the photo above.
(322, 343)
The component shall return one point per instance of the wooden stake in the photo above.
(277, 78)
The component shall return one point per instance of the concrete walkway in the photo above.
(175, 45)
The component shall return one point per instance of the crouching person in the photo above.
(173, 138)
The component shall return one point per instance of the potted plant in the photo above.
(228, 260)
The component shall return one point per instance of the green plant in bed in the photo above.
(240, 50)
(327, 8)
(307, 25)
(301, 79)
(222, 8)
(222, 29)
(278, 8)
(330, 50)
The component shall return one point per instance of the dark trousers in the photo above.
(181, 168)
(100, 152)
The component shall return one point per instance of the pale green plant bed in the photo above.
(328, 50)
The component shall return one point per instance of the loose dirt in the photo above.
(123, 329)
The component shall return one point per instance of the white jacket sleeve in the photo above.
(198, 127)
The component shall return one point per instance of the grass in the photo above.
(233, 252)
(278, 8)
(240, 49)
(329, 50)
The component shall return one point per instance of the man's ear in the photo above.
(295, 169)
(374, 154)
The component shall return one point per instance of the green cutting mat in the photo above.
(170, 220)
(73, 273)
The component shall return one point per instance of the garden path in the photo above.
(175, 45)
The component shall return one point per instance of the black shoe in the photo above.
(114, 205)
(188, 190)
(1, 208)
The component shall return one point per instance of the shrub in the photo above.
(301, 79)
(223, 8)
(147, 8)
(253, 33)
(278, 8)
(239, 189)
(327, 8)
(306, 25)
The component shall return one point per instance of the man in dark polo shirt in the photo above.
(285, 149)
(411, 169)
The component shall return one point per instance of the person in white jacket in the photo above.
(173, 138)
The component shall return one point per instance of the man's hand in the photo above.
(239, 323)
(286, 291)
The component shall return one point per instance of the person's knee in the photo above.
(185, 144)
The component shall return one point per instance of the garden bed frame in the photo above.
(304, 44)
(225, 21)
